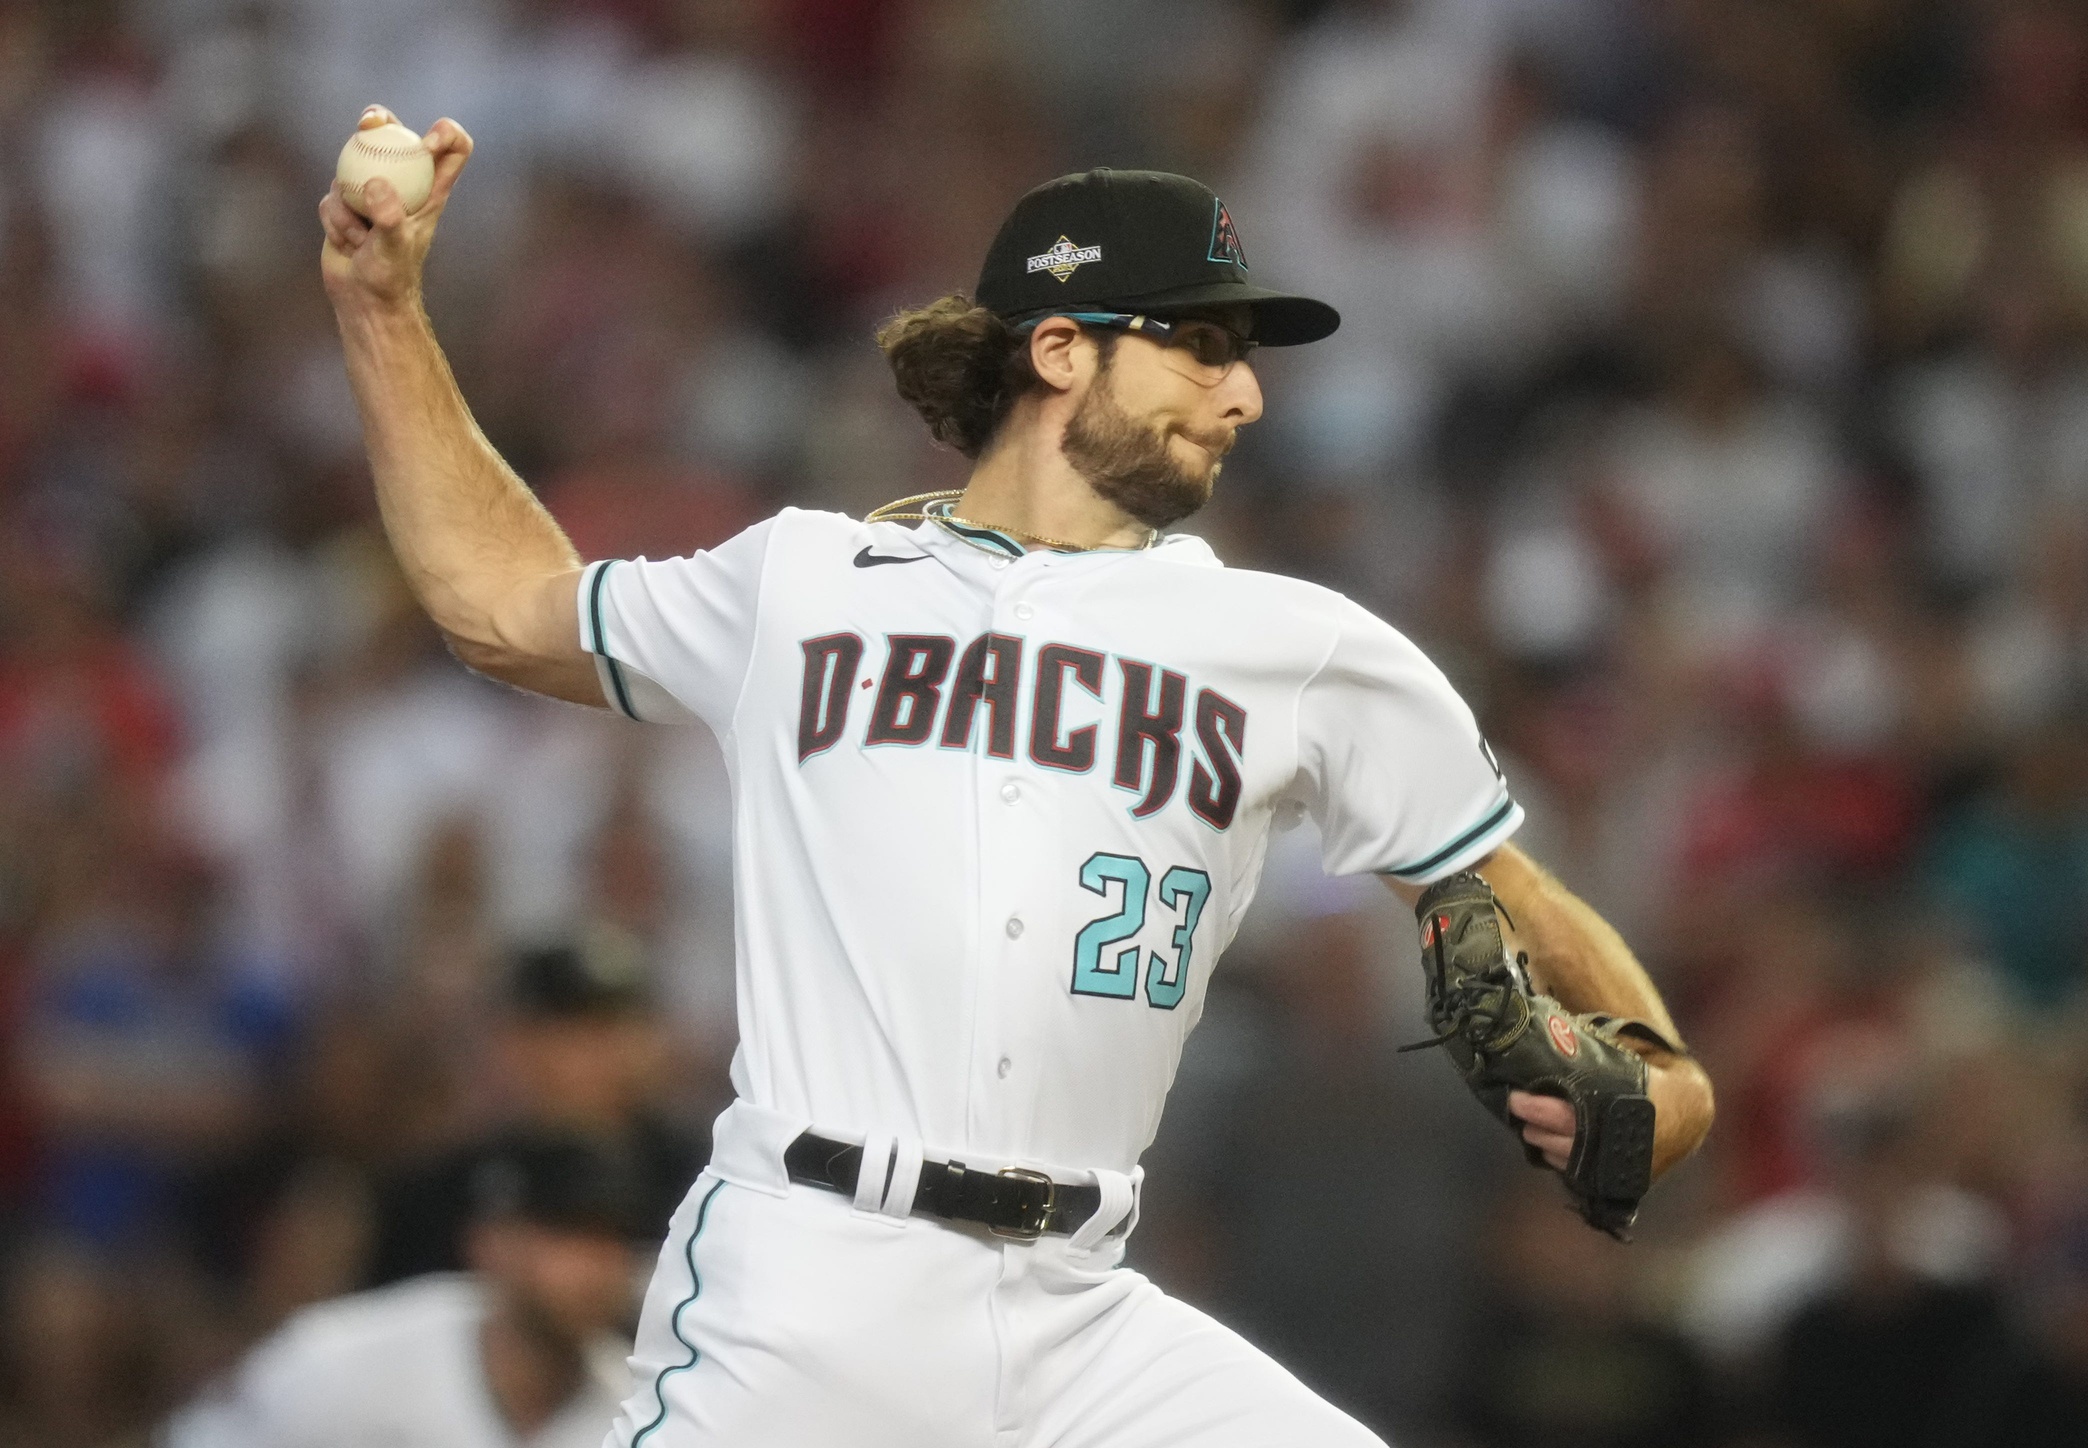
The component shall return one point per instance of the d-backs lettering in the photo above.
(911, 698)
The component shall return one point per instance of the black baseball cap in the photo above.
(1133, 241)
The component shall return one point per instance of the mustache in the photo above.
(1217, 442)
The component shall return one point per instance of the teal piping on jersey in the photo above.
(674, 1322)
(1463, 842)
(989, 539)
(600, 647)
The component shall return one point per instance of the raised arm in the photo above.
(488, 563)
(1578, 958)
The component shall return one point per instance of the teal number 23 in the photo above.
(1166, 982)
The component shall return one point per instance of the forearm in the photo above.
(1575, 955)
(470, 537)
(1578, 957)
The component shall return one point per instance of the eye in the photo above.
(1214, 346)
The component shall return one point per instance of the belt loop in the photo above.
(905, 1180)
(874, 1173)
(1119, 1203)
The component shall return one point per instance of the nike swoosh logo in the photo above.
(867, 559)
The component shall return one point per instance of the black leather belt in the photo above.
(1013, 1202)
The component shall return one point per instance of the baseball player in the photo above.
(1005, 765)
(523, 1351)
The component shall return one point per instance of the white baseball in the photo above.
(390, 151)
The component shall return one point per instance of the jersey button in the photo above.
(1014, 926)
(1011, 791)
(1024, 611)
(1004, 1068)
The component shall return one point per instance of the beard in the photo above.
(1129, 463)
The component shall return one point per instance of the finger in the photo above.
(452, 146)
(337, 215)
(375, 115)
(1557, 1150)
(445, 136)
(339, 239)
(337, 234)
(1548, 1112)
(387, 212)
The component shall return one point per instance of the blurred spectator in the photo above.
(578, 1046)
(1812, 1284)
(2012, 864)
(527, 1348)
(1895, 1354)
(152, 1052)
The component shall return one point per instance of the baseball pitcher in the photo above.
(1005, 764)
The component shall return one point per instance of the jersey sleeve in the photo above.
(674, 637)
(1391, 762)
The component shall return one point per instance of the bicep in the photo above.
(539, 646)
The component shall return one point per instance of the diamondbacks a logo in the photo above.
(1064, 258)
(1225, 240)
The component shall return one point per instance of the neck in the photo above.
(1024, 484)
(530, 1373)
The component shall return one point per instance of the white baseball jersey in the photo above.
(998, 813)
(395, 1368)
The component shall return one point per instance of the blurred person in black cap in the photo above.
(978, 908)
(578, 1046)
(523, 1350)
(1914, 1344)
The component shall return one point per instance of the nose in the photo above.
(1239, 395)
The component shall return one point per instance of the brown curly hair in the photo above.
(961, 367)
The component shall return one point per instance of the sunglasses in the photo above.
(1210, 344)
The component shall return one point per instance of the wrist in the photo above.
(378, 317)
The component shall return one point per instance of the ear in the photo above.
(1060, 352)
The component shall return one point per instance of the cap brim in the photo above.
(1280, 319)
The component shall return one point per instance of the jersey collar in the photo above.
(1004, 545)
(989, 540)
(994, 544)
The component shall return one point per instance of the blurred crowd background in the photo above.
(1711, 401)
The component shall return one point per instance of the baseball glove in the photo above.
(1503, 1036)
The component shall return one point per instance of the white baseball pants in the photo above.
(784, 1316)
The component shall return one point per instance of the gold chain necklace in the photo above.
(903, 510)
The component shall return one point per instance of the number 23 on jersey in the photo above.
(1103, 964)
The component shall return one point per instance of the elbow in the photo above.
(481, 656)
(1703, 1105)
(492, 657)
(1685, 1107)
(571, 678)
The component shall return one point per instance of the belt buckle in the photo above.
(1027, 1231)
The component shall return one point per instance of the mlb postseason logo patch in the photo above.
(1225, 239)
(1064, 258)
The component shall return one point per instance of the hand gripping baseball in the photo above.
(379, 261)
(1506, 1040)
